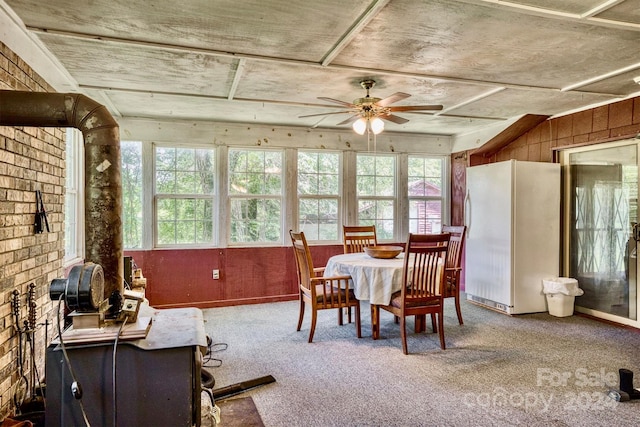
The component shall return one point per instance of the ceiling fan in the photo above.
(369, 108)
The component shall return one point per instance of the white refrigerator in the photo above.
(512, 213)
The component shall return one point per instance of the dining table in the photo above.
(372, 279)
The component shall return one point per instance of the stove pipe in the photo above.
(103, 180)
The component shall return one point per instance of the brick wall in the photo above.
(30, 159)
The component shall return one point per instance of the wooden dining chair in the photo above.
(422, 285)
(357, 237)
(319, 292)
(454, 264)
(354, 239)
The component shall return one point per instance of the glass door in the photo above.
(601, 218)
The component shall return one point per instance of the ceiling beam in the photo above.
(588, 16)
(180, 48)
(470, 100)
(236, 78)
(261, 101)
(601, 77)
(355, 29)
(601, 8)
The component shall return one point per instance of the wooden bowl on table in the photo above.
(384, 252)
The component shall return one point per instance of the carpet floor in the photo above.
(497, 370)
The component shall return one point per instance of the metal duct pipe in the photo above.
(103, 180)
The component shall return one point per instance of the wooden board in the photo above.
(130, 331)
(240, 412)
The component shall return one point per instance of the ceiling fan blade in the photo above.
(349, 120)
(325, 114)
(398, 96)
(336, 101)
(416, 107)
(395, 119)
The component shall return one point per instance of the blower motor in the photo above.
(82, 290)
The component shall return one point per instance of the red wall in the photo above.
(181, 278)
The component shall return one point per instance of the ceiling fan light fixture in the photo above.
(377, 125)
(360, 126)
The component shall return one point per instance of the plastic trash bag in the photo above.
(562, 285)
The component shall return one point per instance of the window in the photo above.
(73, 198)
(255, 196)
(319, 194)
(376, 193)
(184, 179)
(131, 194)
(181, 195)
(425, 194)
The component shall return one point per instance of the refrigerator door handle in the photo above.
(467, 211)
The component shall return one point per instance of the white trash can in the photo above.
(561, 293)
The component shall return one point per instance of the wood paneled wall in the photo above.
(184, 277)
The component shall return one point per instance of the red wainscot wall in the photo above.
(183, 277)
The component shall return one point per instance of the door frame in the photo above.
(563, 157)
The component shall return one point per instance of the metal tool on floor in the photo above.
(241, 387)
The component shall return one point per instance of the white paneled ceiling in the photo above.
(268, 61)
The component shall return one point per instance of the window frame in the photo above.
(289, 212)
(282, 197)
(175, 196)
(444, 190)
(395, 198)
(74, 195)
(338, 196)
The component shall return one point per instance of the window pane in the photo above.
(166, 232)
(255, 220)
(131, 193)
(184, 221)
(366, 165)
(165, 158)
(376, 175)
(184, 170)
(385, 186)
(307, 183)
(70, 224)
(319, 218)
(378, 212)
(425, 216)
(425, 176)
(185, 159)
(166, 209)
(255, 172)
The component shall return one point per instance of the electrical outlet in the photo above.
(216, 274)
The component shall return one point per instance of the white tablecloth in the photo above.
(373, 279)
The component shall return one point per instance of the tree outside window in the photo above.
(131, 152)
